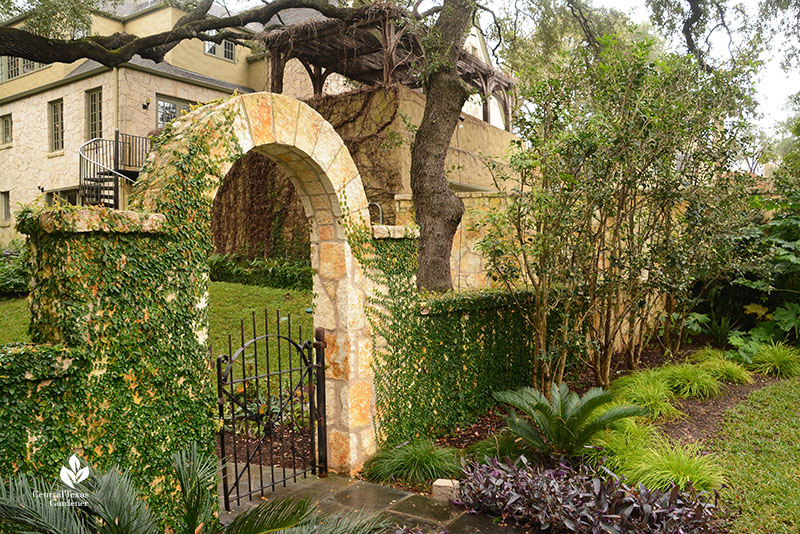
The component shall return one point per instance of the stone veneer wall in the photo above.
(310, 151)
(467, 266)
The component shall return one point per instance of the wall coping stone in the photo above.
(385, 231)
(475, 194)
(101, 220)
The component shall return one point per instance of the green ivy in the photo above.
(439, 357)
(123, 298)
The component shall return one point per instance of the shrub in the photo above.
(564, 424)
(415, 462)
(14, 274)
(648, 390)
(502, 445)
(581, 500)
(259, 272)
(719, 330)
(777, 359)
(690, 381)
(665, 463)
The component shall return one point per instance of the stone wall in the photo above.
(467, 266)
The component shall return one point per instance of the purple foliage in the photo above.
(581, 499)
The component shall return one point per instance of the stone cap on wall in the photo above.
(473, 194)
(101, 220)
(385, 231)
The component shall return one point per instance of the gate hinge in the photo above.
(320, 344)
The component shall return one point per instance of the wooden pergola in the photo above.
(374, 47)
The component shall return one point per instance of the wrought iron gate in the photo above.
(271, 395)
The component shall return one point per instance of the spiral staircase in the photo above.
(106, 164)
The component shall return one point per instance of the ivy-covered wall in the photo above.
(438, 358)
(113, 289)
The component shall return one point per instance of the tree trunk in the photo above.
(438, 210)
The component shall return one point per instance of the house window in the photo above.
(55, 112)
(6, 129)
(5, 206)
(94, 113)
(169, 109)
(226, 50)
(14, 67)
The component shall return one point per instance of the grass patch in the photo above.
(414, 463)
(760, 448)
(777, 359)
(502, 445)
(648, 390)
(228, 305)
(14, 320)
(690, 381)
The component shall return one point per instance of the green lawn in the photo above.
(14, 318)
(228, 305)
(761, 454)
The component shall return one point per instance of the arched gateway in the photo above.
(307, 148)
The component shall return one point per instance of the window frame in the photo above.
(94, 130)
(20, 67)
(220, 50)
(6, 135)
(5, 206)
(55, 131)
(179, 104)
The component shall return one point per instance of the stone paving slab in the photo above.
(335, 494)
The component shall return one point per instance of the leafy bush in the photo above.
(259, 272)
(648, 390)
(581, 500)
(564, 424)
(112, 499)
(502, 445)
(14, 275)
(689, 381)
(664, 464)
(415, 462)
(777, 359)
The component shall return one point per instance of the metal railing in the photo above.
(104, 162)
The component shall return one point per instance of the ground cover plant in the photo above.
(580, 499)
(759, 446)
(285, 274)
(413, 463)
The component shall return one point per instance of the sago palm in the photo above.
(563, 424)
(110, 505)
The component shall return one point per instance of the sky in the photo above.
(774, 85)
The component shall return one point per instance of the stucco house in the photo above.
(78, 132)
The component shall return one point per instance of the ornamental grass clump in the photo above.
(648, 390)
(564, 424)
(726, 371)
(581, 499)
(665, 463)
(777, 359)
(413, 463)
(690, 381)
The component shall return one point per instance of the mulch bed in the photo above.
(294, 450)
(488, 424)
(703, 417)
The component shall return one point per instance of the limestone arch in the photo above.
(312, 154)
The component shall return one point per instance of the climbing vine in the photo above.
(123, 294)
(438, 357)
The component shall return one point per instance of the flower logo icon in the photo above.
(75, 473)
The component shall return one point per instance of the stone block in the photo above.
(259, 114)
(444, 489)
(332, 260)
(360, 404)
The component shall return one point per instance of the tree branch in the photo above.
(119, 48)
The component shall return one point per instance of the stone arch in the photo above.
(309, 150)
